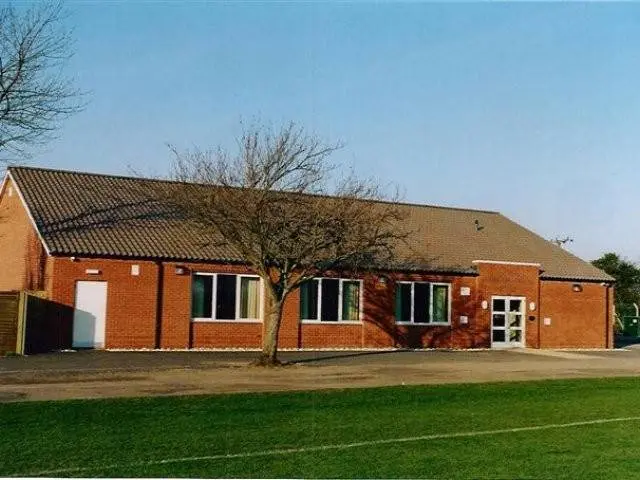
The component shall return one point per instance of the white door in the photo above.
(89, 314)
(507, 322)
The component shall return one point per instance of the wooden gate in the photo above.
(11, 323)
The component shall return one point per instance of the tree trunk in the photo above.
(269, 355)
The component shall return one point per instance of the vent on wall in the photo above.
(92, 271)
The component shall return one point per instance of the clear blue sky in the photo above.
(529, 109)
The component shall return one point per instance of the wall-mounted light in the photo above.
(382, 282)
(181, 270)
(576, 287)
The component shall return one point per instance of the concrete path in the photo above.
(97, 374)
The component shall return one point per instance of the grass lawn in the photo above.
(116, 437)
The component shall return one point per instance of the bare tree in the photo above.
(34, 94)
(270, 203)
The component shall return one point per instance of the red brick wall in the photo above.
(131, 300)
(176, 308)
(22, 255)
(226, 334)
(578, 319)
(380, 325)
(177, 328)
(290, 329)
(497, 279)
(378, 328)
(316, 335)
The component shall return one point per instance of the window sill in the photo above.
(423, 324)
(213, 320)
(332, 322)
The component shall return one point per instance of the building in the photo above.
(134, 279)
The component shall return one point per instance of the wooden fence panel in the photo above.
(9, 320)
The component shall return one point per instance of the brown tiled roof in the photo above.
(103, 215)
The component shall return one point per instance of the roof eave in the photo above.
(235, 261)
(5, 181)
(16, 185)
(578, 279)
(148, 258)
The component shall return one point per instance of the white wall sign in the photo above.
(465, 291)
(464, 319)
(135, 270)
(547, 321)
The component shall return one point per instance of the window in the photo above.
(330, 300)
(225, 297)
(201, 296)
(249, 297)
(217, 296)
(422, 302)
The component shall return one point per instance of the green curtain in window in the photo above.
(309, 300)
(351, 301)
(249, 298)
(403, 302)
(440, 303)
(201, 292)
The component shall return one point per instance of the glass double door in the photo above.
(507, 322)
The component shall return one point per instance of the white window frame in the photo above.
(339, 321)
(522, 312)
(431, 285)
(214, 287)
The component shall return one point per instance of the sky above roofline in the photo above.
(527, 109)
